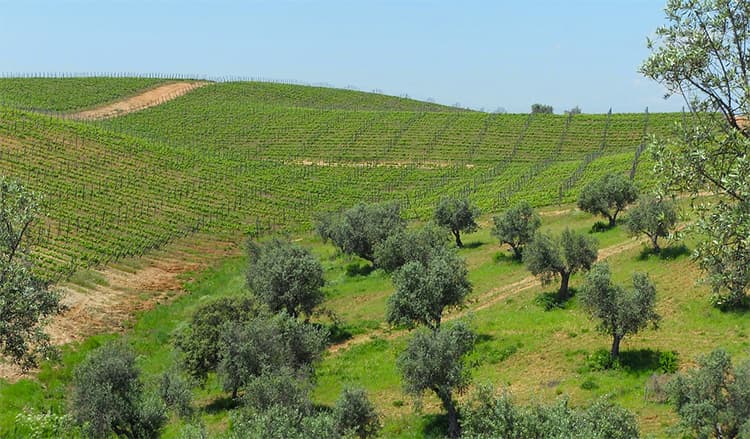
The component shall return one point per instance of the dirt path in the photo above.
(149, 98)
(109, 302)
(478, 303)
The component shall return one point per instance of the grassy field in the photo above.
(537, 355)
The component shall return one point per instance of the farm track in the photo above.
(147, 99)
(480, 302)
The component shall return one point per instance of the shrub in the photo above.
(669, 361)
(355, 413)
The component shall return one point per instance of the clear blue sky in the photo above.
(477, 53)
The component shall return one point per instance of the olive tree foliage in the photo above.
(654, 217)
(702, 55)
(457, 215)
(551, 256)
(409, 245)
(516, 227)
(199, 341)
(713, 400)
(355, 414)
(607, 196)
(620, 312)
(285, 276)
(248, 349)
(435, 360)
(424, 290)
(108, 396)
(541, 109)
(492, 415)
(277, 404)
(26, 300)
(358, 230)
(283, 422)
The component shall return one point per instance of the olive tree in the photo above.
(620, 312)
(108, 396)
(701, 55)
(516, 227)
(607, 196)
(408, 246)
(492, 415)
(199, 341)
(457, 215)
(26, 300)
(541, 109)
(713, 400)
(435, 360)
(286, 277)
(264, 343)
(359, 229)
(654, 217)
(549, 257)
(424, 290)
(356, 414)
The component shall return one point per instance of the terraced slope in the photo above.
(220, 159)
(111, 195)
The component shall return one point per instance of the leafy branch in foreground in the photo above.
(26, 300)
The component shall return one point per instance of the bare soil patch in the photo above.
(122, 293)
(149, 98)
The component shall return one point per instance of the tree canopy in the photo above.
(713, 400)
(424, 290)
(199, 341)
(264, 343)
(360, 229)
(108, 396)
(654, 217)
(607, 196)
(409, 245)
(541, 109)
(285, 276)
(563, 255)
(435, 360)
(26, 300)
(701, 54)
(491, 415)
(620, 312)
(516, 227)
(457, 215)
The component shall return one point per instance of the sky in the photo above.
(478, 54)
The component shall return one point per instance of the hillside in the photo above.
(221, 159)
(67, 94)
(238, 160)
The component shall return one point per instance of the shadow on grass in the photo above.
(506, 257)
(221, 404)
(474, 244)
(551, 301)
(601, 226)
(338, 334)
(357, 269)
(484, 338)
(639, 360)
(667, 253)
(435, 426)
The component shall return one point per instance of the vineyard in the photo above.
(250, 158)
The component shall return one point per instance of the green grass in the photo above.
(67, 94)
(248, 158)
(538, 355)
